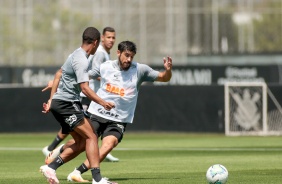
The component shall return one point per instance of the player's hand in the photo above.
(49, 86)
(46, 107)
(167, 63)
(109, 105)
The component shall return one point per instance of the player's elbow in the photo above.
(84, 89)
(164, 78)
(167, 79)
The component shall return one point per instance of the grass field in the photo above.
(154, 158)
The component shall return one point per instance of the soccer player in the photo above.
(120, 82)
(102, 54)
(65, 105)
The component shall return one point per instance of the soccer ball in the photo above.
(217, 174)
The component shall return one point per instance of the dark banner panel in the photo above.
(180, 108)
(208, 75)
(21, 111)
(5, 75)
(159, 108)
(182, 75)
(163, 108)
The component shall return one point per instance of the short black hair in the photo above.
(108, 29)
(127, 45)
(90, 34)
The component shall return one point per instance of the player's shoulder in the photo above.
(101, 55)
(141, 66)
(101, 49)
(80, 53)
(108, 63)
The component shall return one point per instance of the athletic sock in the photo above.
(55, 143)
(62, 149)
(96, 174)
(56, 163)
(82, 168)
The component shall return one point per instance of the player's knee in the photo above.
(108, 148)
(109, 145)
(81, 147)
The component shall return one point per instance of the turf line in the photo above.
(156, 149)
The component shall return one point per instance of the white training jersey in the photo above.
(120, 87)
(96, 60)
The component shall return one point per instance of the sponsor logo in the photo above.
(31, 78)
(107, 113)
(236, 74)
(114, 89)
(189, 77)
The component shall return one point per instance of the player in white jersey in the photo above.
(64, 103)
(101, 55)
(120, 83)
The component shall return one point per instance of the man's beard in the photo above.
(122, 66)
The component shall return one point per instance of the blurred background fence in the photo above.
(43, 33)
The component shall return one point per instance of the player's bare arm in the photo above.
(49, 86)
(165, 76)
(55, 84)
(94, 97)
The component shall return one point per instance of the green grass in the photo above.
(153, 158)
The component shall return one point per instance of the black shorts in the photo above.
(85, 104)
(104, 127)
(68, 114)
(85, 101)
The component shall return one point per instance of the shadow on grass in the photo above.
(139, 178)
(128, 179)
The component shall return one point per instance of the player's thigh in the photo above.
(79, 141)
(85, 129)
(114, 131)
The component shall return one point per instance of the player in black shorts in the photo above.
(64, 103)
